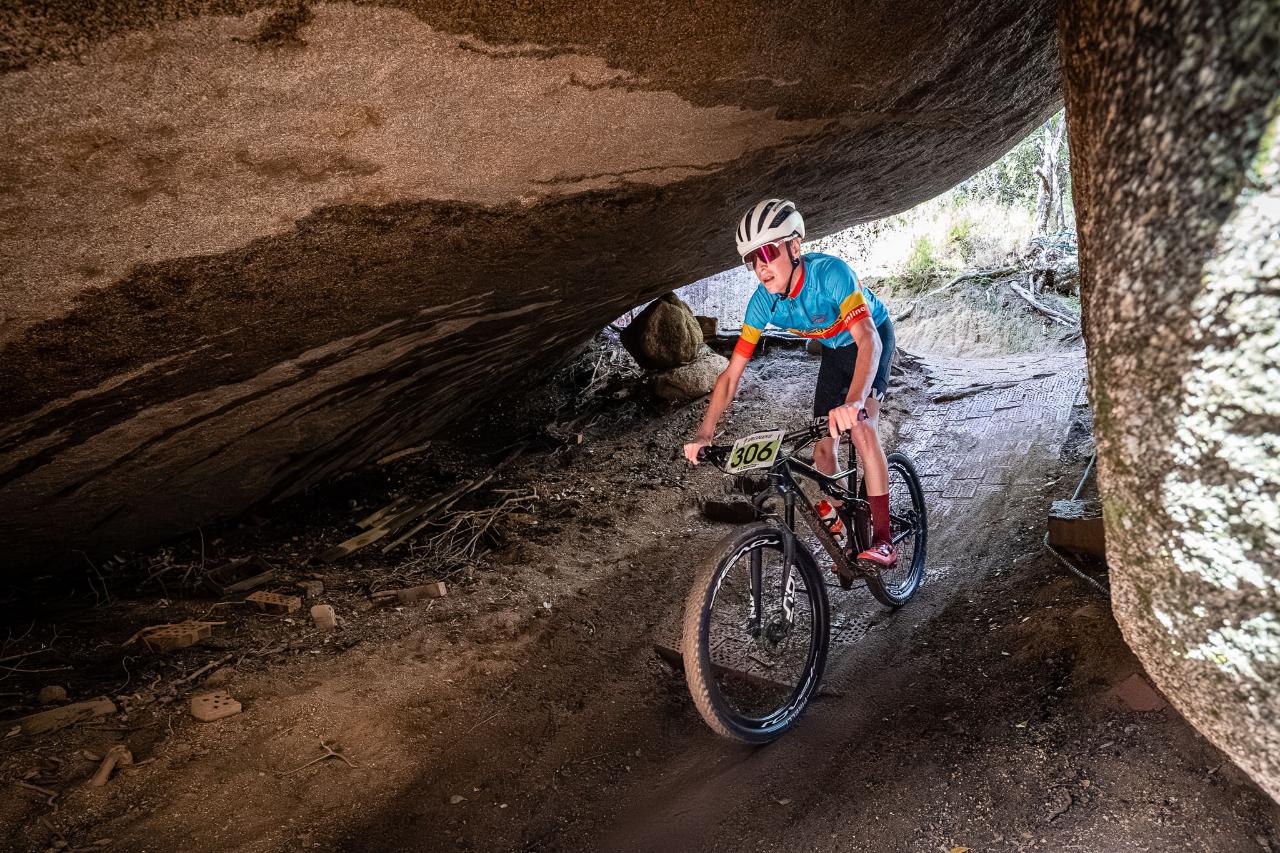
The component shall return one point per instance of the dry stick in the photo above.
(24, 655)
(52, 795)
(440, 504)
(329, 753)
(1048, 312)
(951, 284)
(452, 497)
(203, 670)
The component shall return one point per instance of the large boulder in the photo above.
(246, 250)
(664, 335)
(691, 381)
(1175, 147)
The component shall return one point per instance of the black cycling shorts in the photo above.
(836, 372)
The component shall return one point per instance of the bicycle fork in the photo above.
(756, 567)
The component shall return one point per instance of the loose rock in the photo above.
(324, 617)
(663, 335)
(691, 381)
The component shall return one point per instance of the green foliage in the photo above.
(1264, 167)
(961, 236)
(921, 266)
(1012, 180)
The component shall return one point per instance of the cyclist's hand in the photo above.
(844, 418)
(691, 449)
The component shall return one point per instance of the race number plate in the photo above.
(754, 451)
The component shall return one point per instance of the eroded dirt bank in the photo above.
(527, 711)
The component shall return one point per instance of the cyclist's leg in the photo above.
(834, 376)
(866, 437)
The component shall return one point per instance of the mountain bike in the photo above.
(757, 620)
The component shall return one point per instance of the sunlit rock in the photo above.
(1177, 178)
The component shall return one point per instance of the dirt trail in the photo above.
(528, 711)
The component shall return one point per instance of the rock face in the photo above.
(664, 335)
(250, 249)
(688, 382)
(1177, 188)
(247, 250)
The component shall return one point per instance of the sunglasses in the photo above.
(766, 254)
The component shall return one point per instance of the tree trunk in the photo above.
(1050, 187)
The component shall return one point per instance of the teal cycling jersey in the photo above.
(825, 303)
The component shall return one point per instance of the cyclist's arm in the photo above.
(722, 395)
(864, 368)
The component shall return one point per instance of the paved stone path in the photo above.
(991, 423)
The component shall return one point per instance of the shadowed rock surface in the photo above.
(1179, 217)
(247, 251)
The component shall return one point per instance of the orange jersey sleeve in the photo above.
(747, 340)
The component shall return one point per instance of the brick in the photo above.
(208, 707)
(1077, 526)
(166, 638)
(273, 602)
(418, 593)
(324, 617)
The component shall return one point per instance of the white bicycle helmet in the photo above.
(770, 220)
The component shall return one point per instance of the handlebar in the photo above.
(718, 454)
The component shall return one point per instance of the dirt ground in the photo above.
(526, 710)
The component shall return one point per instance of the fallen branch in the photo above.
(202, 670)
(329, 753)
(993, 273)
(440, 505)
(24, 655)
(1048, 312)
(49, 794)
(951, 395)
(117, 756)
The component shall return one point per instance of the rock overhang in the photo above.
(236, 269)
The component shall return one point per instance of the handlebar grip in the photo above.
(702, 453)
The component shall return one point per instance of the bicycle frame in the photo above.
(855, 512)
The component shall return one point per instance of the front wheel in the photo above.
(909, 524)
(755, 635)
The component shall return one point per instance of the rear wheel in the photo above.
(755, 636)
(909, 524)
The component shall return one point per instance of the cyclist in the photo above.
(816, 296)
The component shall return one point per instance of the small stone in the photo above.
(311, 588)
(324, 617)
(455, 799)
(51, 695)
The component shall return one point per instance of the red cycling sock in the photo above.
(880, 517)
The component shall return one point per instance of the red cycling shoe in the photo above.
(882, 553)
